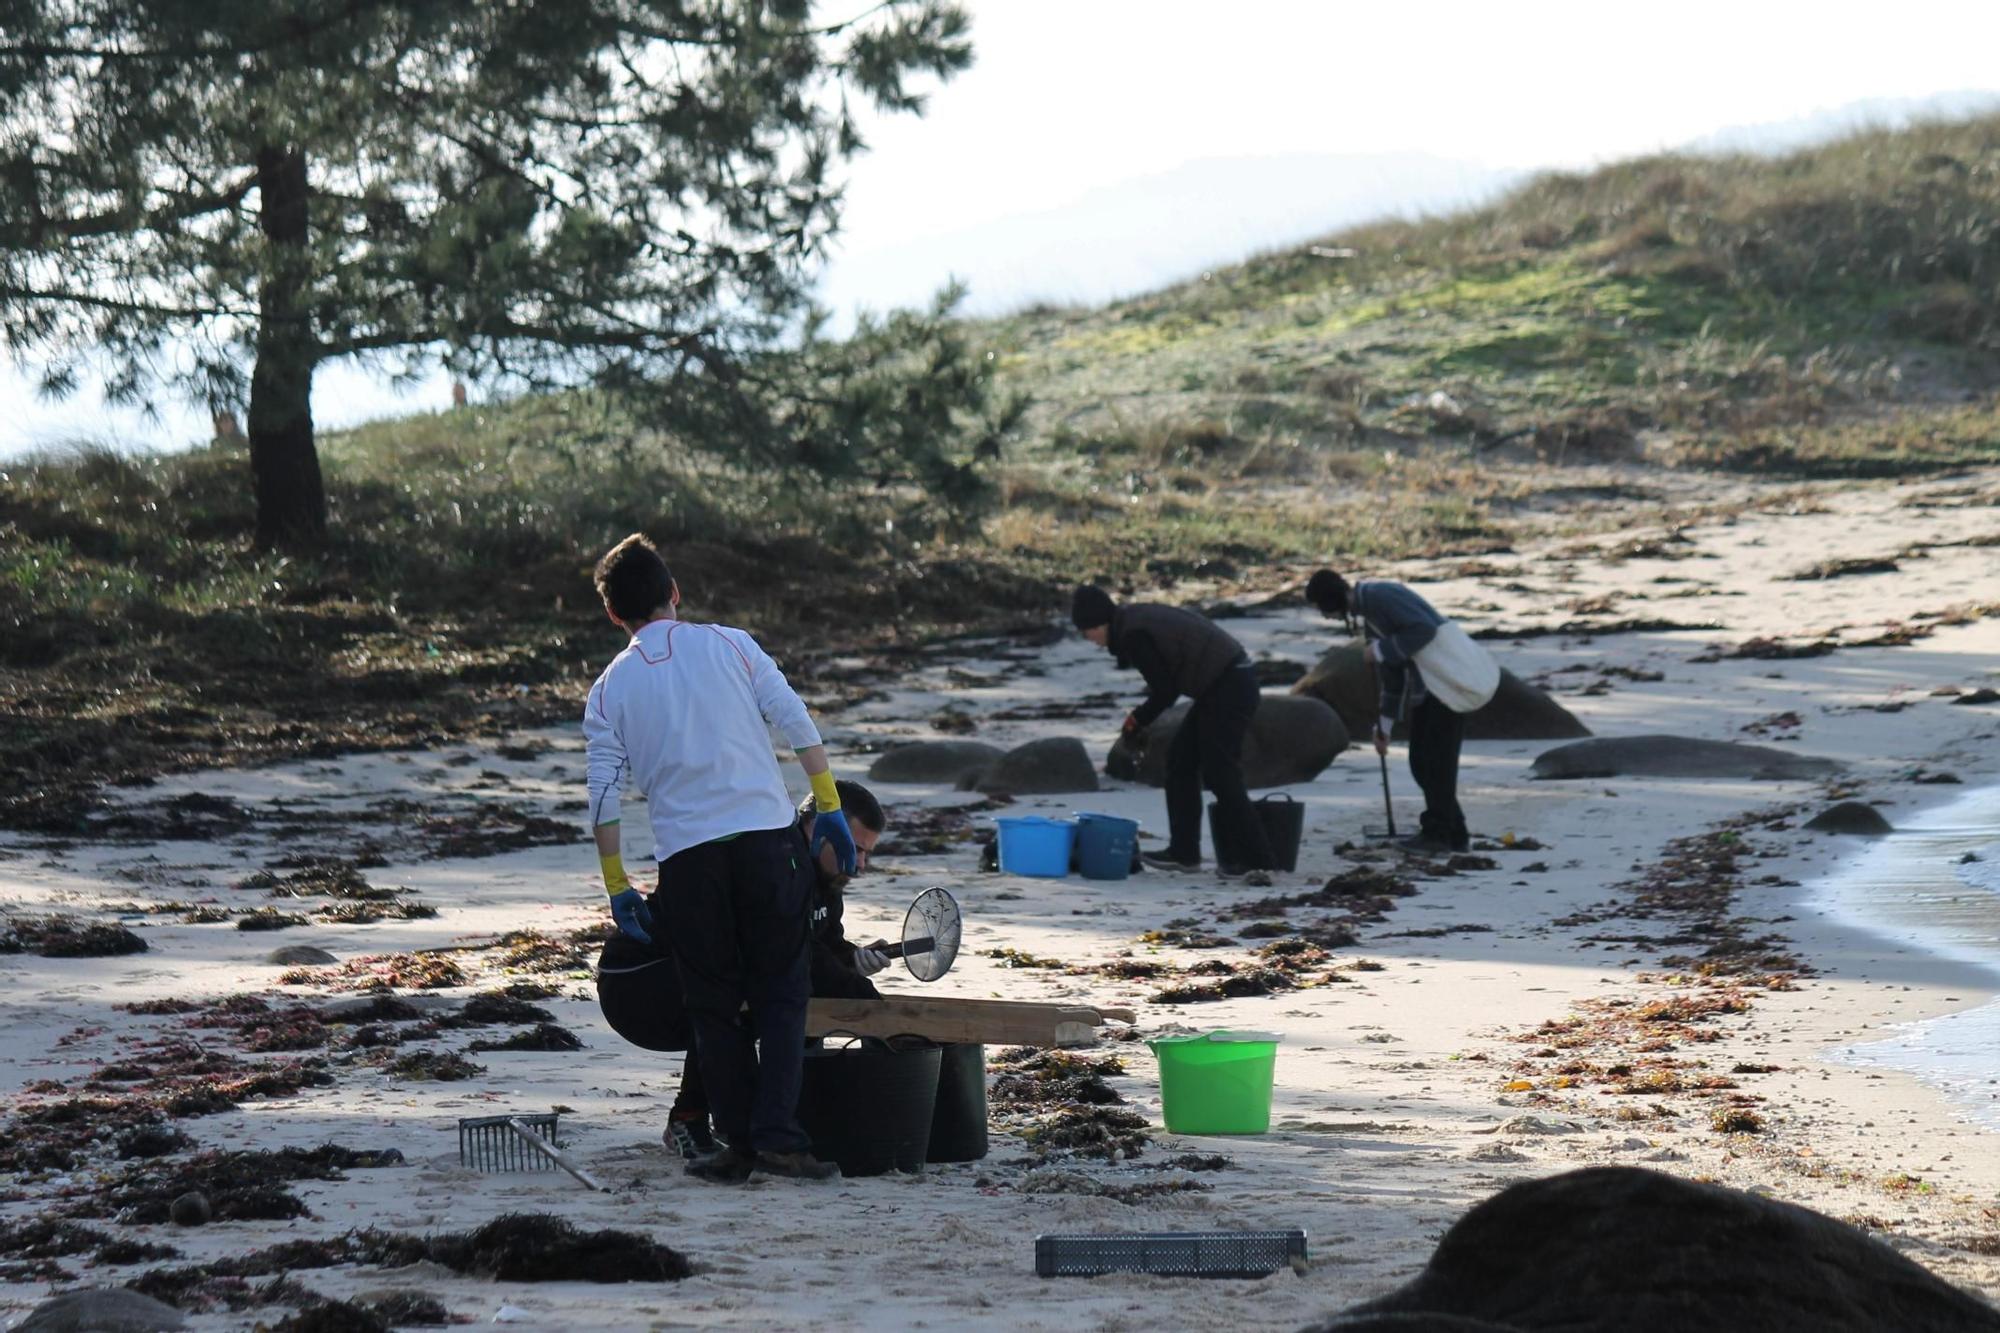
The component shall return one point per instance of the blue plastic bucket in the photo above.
(1104, 845)
(1033, 845)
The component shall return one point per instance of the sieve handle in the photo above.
(921, 944)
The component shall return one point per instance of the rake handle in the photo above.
(550, 1151)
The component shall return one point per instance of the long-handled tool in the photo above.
(1377, 832)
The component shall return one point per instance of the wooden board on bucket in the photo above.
(948, 1019)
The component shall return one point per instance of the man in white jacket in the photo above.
(687, 710)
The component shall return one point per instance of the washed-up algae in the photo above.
(68, 937)
(1059, 1104)
(541, 1037)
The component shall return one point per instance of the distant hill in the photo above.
(1678, 297)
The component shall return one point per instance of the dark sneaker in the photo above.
(1166, 861)
(795, 1166)
(691, 1138)
(1426, 844)
(725, 1166)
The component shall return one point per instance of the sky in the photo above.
(1103, 147)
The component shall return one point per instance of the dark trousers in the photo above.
(1435, 736)
(1208, 751)
(735, 913)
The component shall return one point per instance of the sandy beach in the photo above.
(1554, 1010)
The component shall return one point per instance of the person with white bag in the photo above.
(1431, 674)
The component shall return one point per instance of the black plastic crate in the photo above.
(1172, 1253)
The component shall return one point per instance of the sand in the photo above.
(1393, 1110)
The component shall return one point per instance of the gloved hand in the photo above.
(634, 918)
(1369, 653)
(1383, 726)
(1134, 734)
(830, 826)
(870, 958)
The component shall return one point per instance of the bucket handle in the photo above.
(1284, 796)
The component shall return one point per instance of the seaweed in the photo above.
(434, 1066)
(497, 1007)
(68, 937)
(541, 1037)
(537, 1247)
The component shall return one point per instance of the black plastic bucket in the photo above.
(868, 1107)
(958, 1126)
(1284, 821)
(639, 990)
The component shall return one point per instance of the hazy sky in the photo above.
(1077, 108)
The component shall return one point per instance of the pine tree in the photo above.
(626, 192)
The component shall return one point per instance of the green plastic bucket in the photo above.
(1217, 1083)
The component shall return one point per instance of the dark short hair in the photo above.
(633, 580)
(1328, 591)
(1091, 607)
(856, 802)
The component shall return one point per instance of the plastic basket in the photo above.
(1104, 845)
(1217, 1083)
(1172, 1254)
(1034, 845)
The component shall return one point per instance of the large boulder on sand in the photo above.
(1609, 1249)
(1045, 767)
(1678, 757)
(1856, 817)
(101, 1310)
(1291, 739)
(1518, 712)
(935, 761)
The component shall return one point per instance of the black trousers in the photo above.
(1208, 751)
(736, 916)
(1436, 733)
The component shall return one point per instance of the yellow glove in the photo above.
(826, 795)
(615, 879)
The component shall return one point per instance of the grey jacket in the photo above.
(1399, 623)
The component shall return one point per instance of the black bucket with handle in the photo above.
(1284, 821)
(868, 1106)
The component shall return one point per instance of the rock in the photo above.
(1617, 1248)
(935, 761)
(1518, 712)
(299, 955)
(101, 1310)
(1678, 757)
(1982, 695)
(1291, 739)
(1051, 766)
(190, 1209)
(1856, 817)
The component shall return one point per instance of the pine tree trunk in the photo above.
(291, 499)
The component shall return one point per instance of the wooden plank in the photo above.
(945, 1019)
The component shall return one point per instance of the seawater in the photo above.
(1935, 884)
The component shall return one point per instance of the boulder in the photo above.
(299, 955)
(101, 1310)
(1678, 757)
(950, 762)
(1046, 767)
(1291, 739)
(1856, 817)
(1609, 1249)
(1518, 712)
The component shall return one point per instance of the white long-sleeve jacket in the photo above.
(687, 710)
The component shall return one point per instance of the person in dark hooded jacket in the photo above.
(1181, 653)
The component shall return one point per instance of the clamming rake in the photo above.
(515, 1143)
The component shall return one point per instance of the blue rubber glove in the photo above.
(830, 826)
(634, 918)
